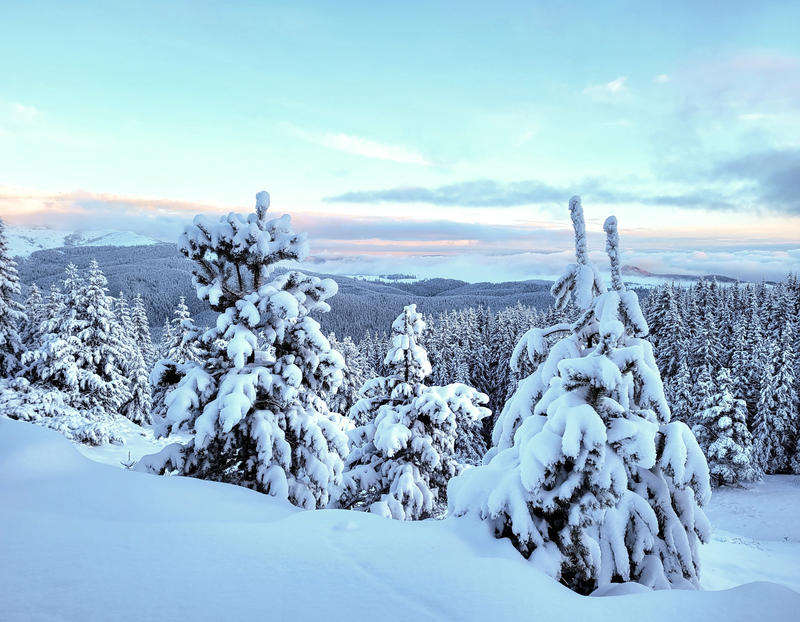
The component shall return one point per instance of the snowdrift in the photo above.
(87, 541)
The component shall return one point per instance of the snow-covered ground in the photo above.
(86, 541)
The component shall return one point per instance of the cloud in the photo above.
(491, 193)
(356, 145)
(607, 91)
(753, 265)
(81, 210)
(662, 79)
(477, 193)
(468, 250)
(774, 176)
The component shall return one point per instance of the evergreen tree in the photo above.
(721, 431)
(100, 354)
(12, 315)
(36, 314)
(253, 400)
(681, 393)
(182, 344)
(354, 375)
(141, 330)
(543, 348)
(776, 430)
(50, 361)
(404, 455)
(598, 485)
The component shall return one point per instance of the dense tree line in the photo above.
(728, 357)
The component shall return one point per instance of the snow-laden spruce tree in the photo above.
(598, 486)
(140, 325)
(101, 351)
(36, 314)
(354, 374)
(405, 453)
(182, 345)
(722, 433)
(254, 402)
(181, 352)
(71, 378)
(12, 315)
(545, 347)
(777, 418)
(138, 406)
(50, 360)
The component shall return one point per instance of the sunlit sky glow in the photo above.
(432, 138)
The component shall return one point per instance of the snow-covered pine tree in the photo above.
(405, 453)
(354, 374)
(12, 314)
(100, 355)
(165, 339)
(672, 340)
(122, 311)
(254, 400)
(138, 406)
(722, 433)
(776, 431)
(681, 390)
(182, 345)
(181, 352)
(545, 347)
(141, 329)
(598, 486)
(51, 360)
(36, 314)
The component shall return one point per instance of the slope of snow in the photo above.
(23, 241)
(86, 541)
(756, 534)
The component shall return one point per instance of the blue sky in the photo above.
(437, 138)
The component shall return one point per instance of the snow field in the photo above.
(84, 541)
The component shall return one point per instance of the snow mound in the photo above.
(83, 541)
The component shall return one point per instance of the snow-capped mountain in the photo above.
(23, 241)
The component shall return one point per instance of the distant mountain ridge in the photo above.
(22, 241)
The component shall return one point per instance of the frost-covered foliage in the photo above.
(541, 348)
(581, 281)
(81, 346)
(405, 452)
(138, 406)
(50, 408)
(50, 358)
(721, 431)
(36, 313)
(354, 374)
(181, 345)
(12, 315)
(100, 352)
(141, 330)
(597, 485)
(741, 327)
(776, 429)
(254, 400)
(182, 351)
